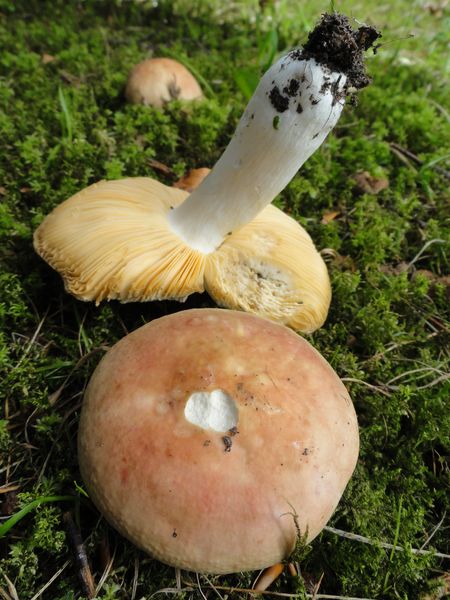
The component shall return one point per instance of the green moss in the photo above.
(64, 124)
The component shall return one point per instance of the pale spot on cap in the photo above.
(212, 410)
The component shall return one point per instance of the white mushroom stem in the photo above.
(296, 104)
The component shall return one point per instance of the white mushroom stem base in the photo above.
(192, 495)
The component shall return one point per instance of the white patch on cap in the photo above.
(212, 410)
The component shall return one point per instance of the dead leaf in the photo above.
(311, 584)
(426, 274)
(192, 179)
(396, 269)
(435, 280)
(47, 58)
(329, 216)
(442, 588)
(351, 340)
(343, 263)
(9, 488)
(366, 184)
(436, 8)
(9, 503)
(25, 190)
(3, 191)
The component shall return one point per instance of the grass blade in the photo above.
(7, 525)
(66, 116)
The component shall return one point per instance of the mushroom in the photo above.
(192, 179)
(156, 81)
(213, 439)
(136, 239)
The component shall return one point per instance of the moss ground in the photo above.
(64, 124)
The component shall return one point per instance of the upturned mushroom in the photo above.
(136, 239)
(157, 81)
(213, 439)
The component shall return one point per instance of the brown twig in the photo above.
(361, 538)
(54, 396)
(73, 409)
(178, 577)
(30, 343)
(377, 388)
(50, 581)
(5, 489)
(171, 591)
(403, 158)
(239, 590)
(317, 587)
(213, 587)
(12, 592)
(394, 346)
(440, 108)
(4, 594)
(161, 167)
(424, 372)
(435, 530)
(200, 588)
(84, 571)
(397, 149)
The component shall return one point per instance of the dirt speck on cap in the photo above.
(227, 442)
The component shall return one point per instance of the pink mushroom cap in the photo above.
(211, 438)
(156, 81)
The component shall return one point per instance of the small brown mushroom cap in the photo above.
(203, 498)
(112, 241)
(156, 81)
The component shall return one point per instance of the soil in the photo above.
(335, 44)
(279, 102)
